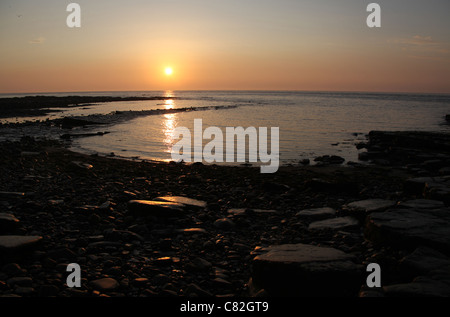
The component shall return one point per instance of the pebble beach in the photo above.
(155, 229)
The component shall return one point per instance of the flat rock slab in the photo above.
(422, 204)
(335, 223)
(301, 269)
(434, 284)
(408, 228)
(12, 243)
(148, 208)
(424, 260)
(369, 205)
(192, 231)
(250, 211)
(7, 195)
(184, 200)
(317, 213)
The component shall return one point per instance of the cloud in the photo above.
(423, 47)
(38, 40)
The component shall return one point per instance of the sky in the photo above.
(309, 45)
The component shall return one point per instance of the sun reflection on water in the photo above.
(169, 123)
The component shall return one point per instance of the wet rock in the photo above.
(250, 212)
(20, 281)
(329, 160)
(8, 223)
(417, 185)
(410, 227)
(434, 284)
(82, 165)
(160, 279)
(422, 204)
(423, 260)
(12, 269)
(338, 223)
(193, 290)
(24, 290)
(105, 284)
(199, 265)
(69, 123)
(148, 208)
(224, 224)
(122, 235)
(193, 203)
(368, 206)
(13, 243)
(317, 213)
(305, 270)
(190, 231)
(8, 195)
(305, 161)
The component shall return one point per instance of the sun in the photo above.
(168, 71)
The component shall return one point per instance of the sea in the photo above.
(311, 124)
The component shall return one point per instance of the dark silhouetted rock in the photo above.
(317, 213)
(224, 224)
(329, 160)
(409, 228)
(422, 204)
(12, 243)
(8, 223)
(368, 206)
(338, 223)
(434, 284)
(305, 270)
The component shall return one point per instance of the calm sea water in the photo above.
(311, 124)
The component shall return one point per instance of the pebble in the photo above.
(105, 284)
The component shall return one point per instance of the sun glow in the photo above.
(168, 71)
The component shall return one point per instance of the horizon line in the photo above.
(228, 90)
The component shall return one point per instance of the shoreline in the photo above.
(141, 228)
(79, 209)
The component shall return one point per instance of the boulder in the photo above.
(305, 270)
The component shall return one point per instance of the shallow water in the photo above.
(310, 123)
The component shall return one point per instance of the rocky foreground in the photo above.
(155, 229)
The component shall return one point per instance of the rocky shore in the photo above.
(41, 105)
(142, 229)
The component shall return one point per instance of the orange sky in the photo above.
(229, 45)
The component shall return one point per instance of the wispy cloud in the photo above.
(423, 47)
(38, 40)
